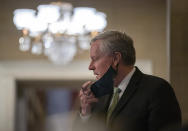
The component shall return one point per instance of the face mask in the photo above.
(105, 84)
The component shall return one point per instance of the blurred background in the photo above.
(38, 95)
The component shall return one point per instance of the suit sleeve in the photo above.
(165, 114)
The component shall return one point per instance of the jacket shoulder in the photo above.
(155, 81)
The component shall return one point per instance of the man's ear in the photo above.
(116, 59)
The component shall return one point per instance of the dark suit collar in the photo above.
(131, 88)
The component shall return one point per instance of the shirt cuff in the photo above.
(85, 118)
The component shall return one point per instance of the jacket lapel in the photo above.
(130, 90)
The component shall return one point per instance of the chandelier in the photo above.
(58, 30)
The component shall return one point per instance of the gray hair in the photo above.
(115, 41)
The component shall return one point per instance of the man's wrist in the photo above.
(85, 112)
(84, 117)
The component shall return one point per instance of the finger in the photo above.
(83, 97)
(88, 92)
(86, 85)
(85, 88)
(90, 96)
(92, 100)
(81, 93)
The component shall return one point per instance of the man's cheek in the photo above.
(98, 77)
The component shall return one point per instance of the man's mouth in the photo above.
(96, 75)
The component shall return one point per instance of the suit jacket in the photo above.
(148, 104)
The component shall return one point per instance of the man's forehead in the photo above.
(96, 43)
(95, 47)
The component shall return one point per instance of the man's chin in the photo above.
(97, 77)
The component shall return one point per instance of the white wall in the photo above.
(7, 101)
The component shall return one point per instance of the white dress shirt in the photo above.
(125, 82)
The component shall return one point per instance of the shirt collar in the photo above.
(125, 81)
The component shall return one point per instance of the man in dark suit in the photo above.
(143, 102)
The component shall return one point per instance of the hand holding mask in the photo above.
(105, 84)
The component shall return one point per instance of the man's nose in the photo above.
(91, 66)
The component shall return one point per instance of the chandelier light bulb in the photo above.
(24, 43)
(23, 18)
(37, 48)
(48, 13)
